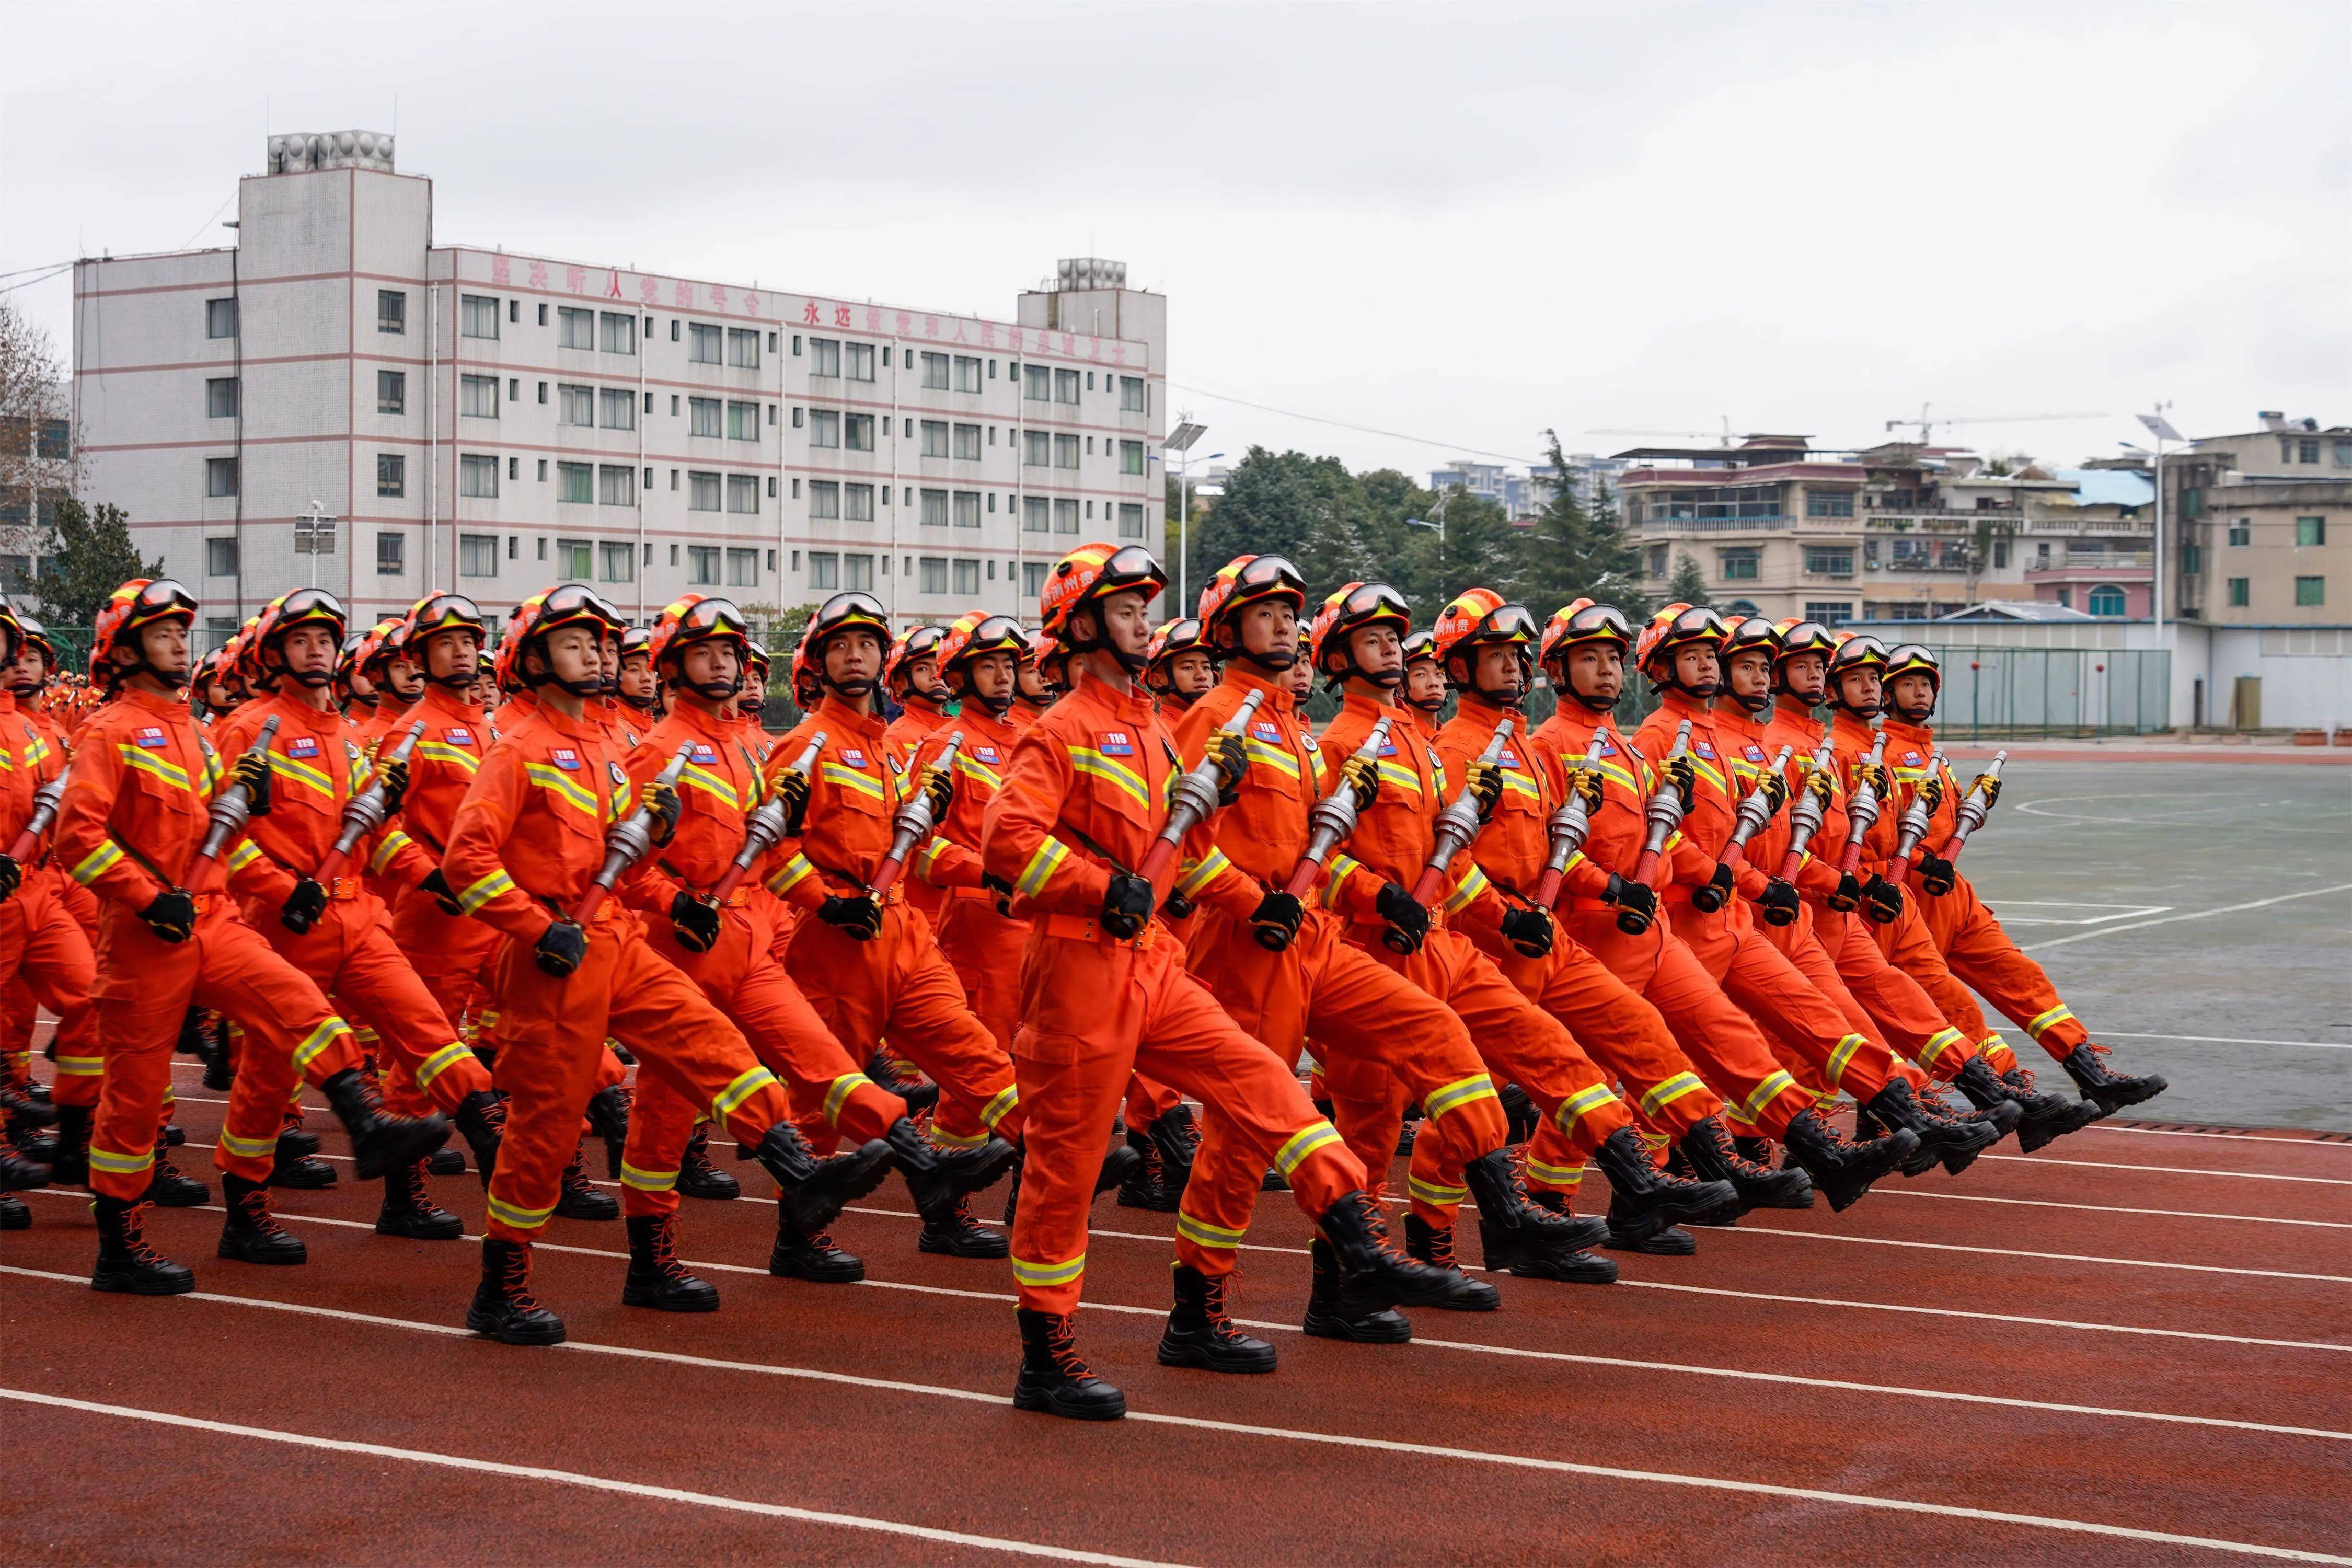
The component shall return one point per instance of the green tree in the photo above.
(1478, 548)
(87, 556)
(1574, 551)
(1688, 585)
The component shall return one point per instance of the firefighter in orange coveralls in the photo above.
(527, 840)
(128, 828)
(1287, 973)
(1978, 952)
(1358, 646)
(337, 933)
(1583, 652)
(1103, 991)
(698, 645)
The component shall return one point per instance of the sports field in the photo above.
(2135, 1346)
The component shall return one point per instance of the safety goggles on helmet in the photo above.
(1092, 573)
(441, 612)
(689, 622)
(1420, 645)
(574, 605)
(1858, 650)
(161, 600)
(37, 636)
(972, 638)
(1751, 635)
(1583, 622)
(918, 642)
(1246, 581)
(845, 610)
(1913, 658)
(1805, 637)
(1349, 611)
(1504, 624)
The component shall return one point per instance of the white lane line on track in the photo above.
(2217, 1040)
(2167, 1170)
(2343, 1145)
(2107, 1209)
(2021, 1252)
(2191, 915)
(1278, 1434)
(593, 1483)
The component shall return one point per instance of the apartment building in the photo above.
(494, 422)
(1895, 532)
(37, 468)
(1522, 495)
(2259, 526)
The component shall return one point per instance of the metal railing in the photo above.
(2008, 693)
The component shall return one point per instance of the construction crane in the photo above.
(1926, 422)
(1725, 433)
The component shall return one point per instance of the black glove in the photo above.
(1127, 904)
(443, 894)
(1780, 904)
(858, 915)
(695, 923)
(10, 876)
(1484, 783)
(1848, 894)
(1233, 766)
(1683, 774)
(1405, 913)
(1528, 930)
(990, 882)
(303, 906)
(1637, 905)
(1936, 874)
(1714, 893)
(662, 800)
(1176, 907)
(393, 776)
(560, 949)
(1275, 921)
(252, 770)
(793, 789)
(173, 915)
(1881, 901)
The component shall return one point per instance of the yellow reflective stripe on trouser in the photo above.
(317, 1040)
(1581, 1104)
(483, 891)
(838, 1095)
(519, 1219)
(1201, 1232)
(647, 1181)
(1040, 1275)
(438, 1062)
(1430, 1192)
(1000, 1106)
(1303, 1142)
(80, 1067)
(956, 1139)
(747, 1084)
(1944, 1039)
(2057, 1015)
(1664, 1093)
(248, 1147)
(1841, 1058)
(1554, 1176)
(1765, 1094)
(1457, 1094)
(1047, 858)
(115, 1165)
(96, 862)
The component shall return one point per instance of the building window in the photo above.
(702, 417)
(935, 574)
(479, 316)
(1130, 519)
(1066, 386)
(702, 343)
(967, 572)
(743, 568)
(2242, 530)
(702, 491)
(575, 405)
(576, 329)
(967, 375)
(478, 554)
(1829, 612)
(391, 392)
(618, 406)
(220, 397)
(2308, 451)
(220, 557)
(744, 493)
(1738, 565)
(823, 427)
(935, 439)
(2239, 588)
(1829, 562)
(391, 554)
(620, 332)
(391, 474)
(1065, 452)
(967, 442)
(477, 396)
(742, 422)
(857, 362)
(1033, 578)
(857, 432)
(1036, 449)
(1131, 394)
(1066, 517)
(824, 499)
(935, 373)
(2192, 501)
(824, 568)
(220, 318)
(1037, 384)
(934, 509)
(391, 311)
(616, 485)
(1130, 457)
(2192, 561)
(220, 476)
(575, 560)
(1035, 515)
(2107, 599)
(857, 503)
(575, 483)
(702, 565)
(2310, 530)
(967, 509)
(2311, 590)
(617, 562)
(744, 348)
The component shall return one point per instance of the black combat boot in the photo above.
(481, 1122)
(698, 1177)
(1956, 1143)
(608, 1118)
(1433, 1244)
(918, 1095)
(1332, 1314)
(1515, 1235)
(295, 1141)
(408, 1211)
(1521, 1114)
(1374, 1274)
(220, 1065)
(1201, 1334)
(14, 1215)
(379, 1142)
(577, 1199)
(1578, 1268)
(939, 1179)
(171, 1188)
(126, 1262)
(174, 1135)
(446, 1160)
(503, 1307)
(1147, 1189)
(2042, 1118)
(656, 1278)
(812, 1193)
(957, 1235)
(1714, 1156)
(19, 1174)
(22, 1110)
(1177, 1136)
(1052, 1377)
(813, 1257)
(1646, 1201)
(252, 1234)
(1842, 1170)
(2087, 1066)
(69, 1167)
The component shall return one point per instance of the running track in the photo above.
(2136, 1347)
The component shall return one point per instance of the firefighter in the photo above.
(1583, 652)
(1179, 670)
(526, 841)
(910, 676)
(128, 828)
(1422, 695)
(640, 688)
(697, 646)
(1358, 645)
(1980, 953)
(1104, 991)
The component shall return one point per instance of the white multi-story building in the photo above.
(496, 423)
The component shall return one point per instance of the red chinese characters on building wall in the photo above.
(575, 279)
(539, 274)
(500, 271)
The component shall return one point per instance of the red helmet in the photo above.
(292, 609)
(690, 619)
(35, 635)
(1583, 622)
(506, 664)
(1347, 611)
(1752, 633)
(434, 613)
(976, 633)
(807, 690)
(569, 605)
(1676, 626)
(1095, 572)
(1481, 616)
(1181, 635)
(1420, 645)
(1858, 650)
(916, 642)
(1246, 580)
(845, 612)
(137, 605)
(1913, 658)
(1051, 660)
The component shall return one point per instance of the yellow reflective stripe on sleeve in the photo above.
(1466, 893)
(842, 1088)
(1842, 1057)
(647, 1181)
(849, 778)
(748, 1083)
(1200, 873)
(1341, 867)
(244, 855)
(440, 1062)
(519, 1219)
(1000, 1106)
(1201, 1232)
(1302, 1143)
(790, 875)
(1944, 1039)
(928, 856)
(317, 1040)
(1038, 1274)
(1457, 1094)
(1117, 774)
(1765, 1094)
(554, 780)
(147, 762)
(2058, 1014)
(1043, 863)
(457, 757)
(96, 862)
(248, 1147)
(393, 843)
(483, 891)
(1664, 1093)
(119, 1165)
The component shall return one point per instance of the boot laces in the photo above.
(134, 1239)
(514, 1281)
(1441, 1249)
(254, 1206)
(665, 1249)
(1062, 1349)
(575, 1175)
(1216, 1302)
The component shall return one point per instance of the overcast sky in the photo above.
(1459, 224)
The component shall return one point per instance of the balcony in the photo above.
(1717, 524)
(1939, 521)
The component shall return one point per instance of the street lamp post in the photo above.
(314, 535)
(1180, 441)
(1435, 522)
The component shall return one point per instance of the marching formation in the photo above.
(1068, 923)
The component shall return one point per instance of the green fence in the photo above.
(2008, 693)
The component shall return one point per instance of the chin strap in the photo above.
(1755, 705)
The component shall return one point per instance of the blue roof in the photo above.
(2109, 486)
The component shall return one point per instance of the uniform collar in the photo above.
(1851, 730)
(587, 727)
(165, 706)
(1682, 705)
(1485, 714)
(1797, 712)
(1134, 707)
(1245, 680)
(444, 701)
(1920, 735)
(687, 716)
(1350, 702)
(840, 716)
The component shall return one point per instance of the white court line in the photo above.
(2168, 1170)
(593, 1483)
(2225, 1040)
(2115, 911)
(2231, 1137)
(1278, 1434)
(2108, 1209)
(2191, 915)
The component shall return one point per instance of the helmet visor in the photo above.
(1506, 623)
(712, 617)
(1371, 599)
(1264, 575)
(164, 596)
(849, 609)
(1698, 622)
(997, 633)
(1599, 621)
(1129, 566)
(1859, 649)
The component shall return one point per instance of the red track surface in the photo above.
(1776, 1392)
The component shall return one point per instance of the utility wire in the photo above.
(1365, 429)
(44, 278)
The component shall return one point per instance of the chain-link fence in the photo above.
(2007, 693)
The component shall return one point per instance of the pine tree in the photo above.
(1574, 553)
(1688, 585)
(87, 556)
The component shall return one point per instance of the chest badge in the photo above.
(567, 759)
(151, 739)
(301, 748)
(1117, 743)
(457, 735)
